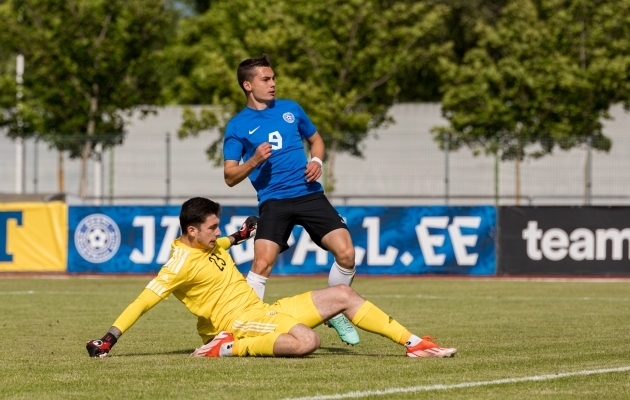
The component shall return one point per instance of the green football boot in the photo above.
(344, 329)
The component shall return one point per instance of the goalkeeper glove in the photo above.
(100, 348)
(248, 230)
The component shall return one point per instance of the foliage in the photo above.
(7, 79)
(594, 39)
(193, 6)
(88, 63)
(421, 81)
(545, 74)
(336, 59)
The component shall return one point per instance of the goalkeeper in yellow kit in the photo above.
(232, 320)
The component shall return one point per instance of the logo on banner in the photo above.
(582, 244)
(97, 238)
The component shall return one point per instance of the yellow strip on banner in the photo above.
(33, 237)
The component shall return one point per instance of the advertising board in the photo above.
(33, 237)
(564, 241)
(387, 240)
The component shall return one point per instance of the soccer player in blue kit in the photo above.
(267, 136)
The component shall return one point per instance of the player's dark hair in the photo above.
(246, 69)
(195, 211)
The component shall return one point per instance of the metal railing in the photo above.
(403, 165)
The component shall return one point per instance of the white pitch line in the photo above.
(18, 292)
(502, 298)
(428, 388)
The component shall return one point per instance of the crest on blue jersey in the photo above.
(289, 117)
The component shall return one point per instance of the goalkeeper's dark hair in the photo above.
(195, 211)
(246, 69)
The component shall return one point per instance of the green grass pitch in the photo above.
(503, 330)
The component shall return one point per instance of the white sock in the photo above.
(413, 340)
(257, 282)
(340, 276)
(226, 350)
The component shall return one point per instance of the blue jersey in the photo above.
(283, 125)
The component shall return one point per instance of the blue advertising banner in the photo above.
(136, 239)
(387, 240)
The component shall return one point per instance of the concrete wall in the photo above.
(401, 165)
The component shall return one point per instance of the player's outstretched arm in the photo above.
(247, 231)
(101, 347)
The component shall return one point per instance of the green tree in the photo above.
(7, 79)
(421, 81)
(88, 64)
(338, 59)
(193, 6)
(594, 39)
(535, 83)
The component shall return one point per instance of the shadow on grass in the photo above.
(349, 351)
(336, 350)
(321, 352)
(157, 353)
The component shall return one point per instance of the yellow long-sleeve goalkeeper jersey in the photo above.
(207, 282)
